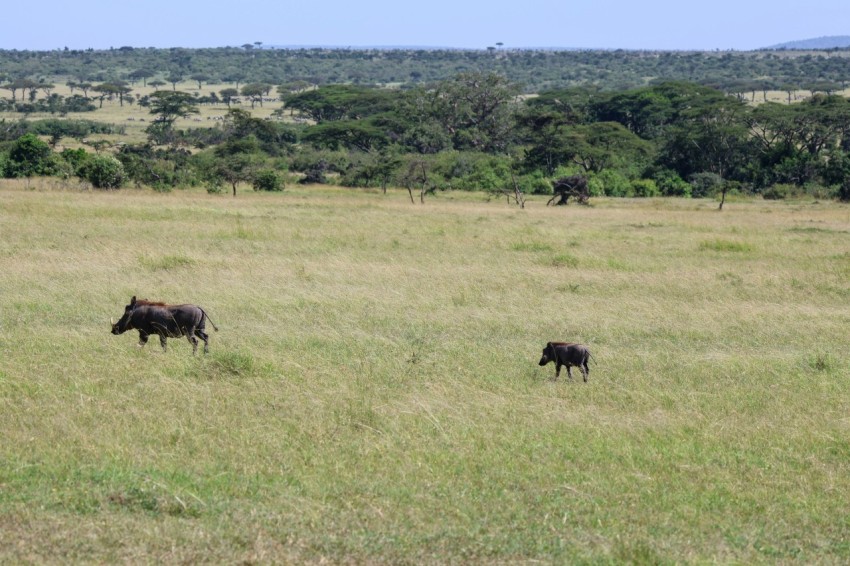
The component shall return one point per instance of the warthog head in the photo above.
(123, 324)
(548, 354)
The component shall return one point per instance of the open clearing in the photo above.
(373, 393)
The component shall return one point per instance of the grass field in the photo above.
(133, 119)
(373, 394)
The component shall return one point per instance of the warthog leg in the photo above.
(190, 335)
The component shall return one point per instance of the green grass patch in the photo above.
(719, 245)
(165, 263)
(562, 260)
(531, 247)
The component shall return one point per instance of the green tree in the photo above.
(228, 94)
(267, 180)
(174, 78)
(710, 139)
(601, 145)
(255, 92)
(475, 109)
(339, 102)
(29, 156)
(103, 172)
(362, 135)
(143, 74)
(236, 161)
(200, 78)
(168, 106)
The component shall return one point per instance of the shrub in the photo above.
(705, 184)
(844, 191)
(103, 172)
(267, 180)
(645, 188)
(615, 184)
(30, 156)
(595, 187)
(670, 184)
(471, 171)
(311, 160)
(534, 184)
(780, 191)
(75, 158)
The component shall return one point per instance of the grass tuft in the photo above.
(229, 364)
(165, 263)
(725, 246)
(531, 247)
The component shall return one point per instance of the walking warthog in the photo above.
(166, 321)
(566, 354)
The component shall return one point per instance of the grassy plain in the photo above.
(133, 119)
(373, 394)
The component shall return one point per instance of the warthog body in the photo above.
(166, 321)
(566, 354)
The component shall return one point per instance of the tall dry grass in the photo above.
(373, 394)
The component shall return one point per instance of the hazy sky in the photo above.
(627, 24)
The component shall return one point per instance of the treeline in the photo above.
(536, 70)
(475, 131)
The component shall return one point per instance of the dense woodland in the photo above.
(629, 123)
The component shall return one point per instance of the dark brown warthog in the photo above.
(566, 354)
(166, 321)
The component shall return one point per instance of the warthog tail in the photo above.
(209, 319)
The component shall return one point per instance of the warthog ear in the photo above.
(133, 301)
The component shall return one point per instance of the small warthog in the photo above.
(166, 321)
(567, 354)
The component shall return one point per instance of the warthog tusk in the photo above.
(112, 321)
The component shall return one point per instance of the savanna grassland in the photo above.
(373, 394)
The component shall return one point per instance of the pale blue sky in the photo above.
(627, 24)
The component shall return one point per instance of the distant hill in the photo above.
(826, 42)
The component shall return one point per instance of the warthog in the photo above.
(567, 354)
(166, 321)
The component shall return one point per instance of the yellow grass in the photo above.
(373, 395)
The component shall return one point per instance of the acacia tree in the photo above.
(711, 138)
(415, 174)
(228, 94)
(168, 106)
(476, 110)
(143, 74)
(339, 102)
(597, 146)
(174, 78)
(200, 78)
(23, 85)
(255, 92)
(171, 105)
(236, 161)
